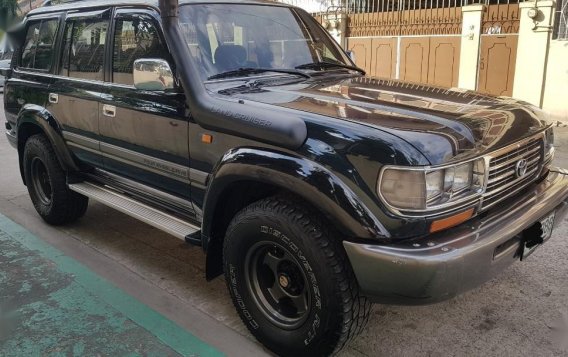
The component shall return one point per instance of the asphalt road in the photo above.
(522, 312)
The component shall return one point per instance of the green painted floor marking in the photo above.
(165, 330)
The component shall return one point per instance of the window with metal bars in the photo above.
(561, 21)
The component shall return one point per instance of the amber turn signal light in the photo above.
(452, 221)
(206, 138)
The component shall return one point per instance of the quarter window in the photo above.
(83, 49)
(37, 52)
(134, 38)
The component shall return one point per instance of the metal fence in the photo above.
(561, 21)
(374, 6)
(418, 17)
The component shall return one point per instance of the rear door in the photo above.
(79, 82)
(31, 78)
(144, 134)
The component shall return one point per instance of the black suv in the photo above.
(244, 128)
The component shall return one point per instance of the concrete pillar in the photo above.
(532, 52)
(469, 55)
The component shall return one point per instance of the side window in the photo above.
(84, 48)
(37, 52)
(134, 38)
(29, 48)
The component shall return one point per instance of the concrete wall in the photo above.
(469, 57)
(534, 39)
(556, 84)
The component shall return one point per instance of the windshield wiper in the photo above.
(251, 70)
(322, 65)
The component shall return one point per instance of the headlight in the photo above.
(404, 189)
(549, 141)
(421, 189)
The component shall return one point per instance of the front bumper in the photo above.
(448, 263)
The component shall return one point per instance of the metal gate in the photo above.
(415, 41)
(420, 40)
(430, 59)
(498, 49)
(420, 59)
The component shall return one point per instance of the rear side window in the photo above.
(38, 49)
(83, 49)
(134, 38)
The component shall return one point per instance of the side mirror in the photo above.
(351, 55)
(153, 74)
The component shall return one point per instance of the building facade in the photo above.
(502, 47)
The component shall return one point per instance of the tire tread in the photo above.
(67, 205)
(356, 308)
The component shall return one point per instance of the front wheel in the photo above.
(290, 279)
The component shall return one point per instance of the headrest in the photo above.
(230, 56)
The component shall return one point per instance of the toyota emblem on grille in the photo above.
(521, 169)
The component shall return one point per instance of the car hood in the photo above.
(444, 124)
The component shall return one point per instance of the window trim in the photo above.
(29, 24)
(55, 46)
(70, 18)
(122, 13)
(95, 14)
(62, 49)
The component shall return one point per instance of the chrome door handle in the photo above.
(53, 98)
(109, 110)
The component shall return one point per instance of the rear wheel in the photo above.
(47, 186)
(290, 279)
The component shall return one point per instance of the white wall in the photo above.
(556, 84)
(469, 53)
(531, 51)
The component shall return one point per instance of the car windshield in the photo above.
(228, 37)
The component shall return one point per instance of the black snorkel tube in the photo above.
(253, 120)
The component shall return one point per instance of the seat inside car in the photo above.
(229, 57)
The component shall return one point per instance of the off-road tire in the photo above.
(337, 311)
(60, 205)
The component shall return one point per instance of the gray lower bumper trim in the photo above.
(459, 259)
(12, 139)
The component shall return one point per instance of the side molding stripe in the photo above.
(129, 157)
(81, 140)
(166, 168)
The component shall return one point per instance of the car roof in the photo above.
(91, 4)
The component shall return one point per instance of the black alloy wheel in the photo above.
(290, 279)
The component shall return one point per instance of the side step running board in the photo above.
(127, 205)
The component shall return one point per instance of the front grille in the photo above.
(503, 181)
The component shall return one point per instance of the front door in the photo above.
(144, 134)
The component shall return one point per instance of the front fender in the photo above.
(307, 179)
(38, 116)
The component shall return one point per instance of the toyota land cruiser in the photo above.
(245, 129)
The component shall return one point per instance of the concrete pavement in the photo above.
(52, 305)
(519, 313)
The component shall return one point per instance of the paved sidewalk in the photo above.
(52, 305)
